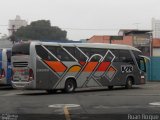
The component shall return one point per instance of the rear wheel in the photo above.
(70, 86)
(110, 87)
(129, 83)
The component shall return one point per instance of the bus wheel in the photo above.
(70, 86)
(110, 87)
(51, 91)
(129, 83)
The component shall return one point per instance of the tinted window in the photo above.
(137, 56)
(21, 49)
(60, 53)
(80, 56)
(98, 51)
(116, 54)
(71, 50)
(86, 51)
(44, 54)
(95, 58)
(125, 56)
(108, 57)
(92, 51)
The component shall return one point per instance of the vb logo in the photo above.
(126, 68)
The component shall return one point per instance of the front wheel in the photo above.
(70, 86)
(129, 83)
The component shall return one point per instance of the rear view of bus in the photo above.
(22, 74)
(5, 66)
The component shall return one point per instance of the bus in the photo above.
(5, 66)
(66, 66)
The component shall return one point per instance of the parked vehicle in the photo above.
(52, 66)
(5, 66)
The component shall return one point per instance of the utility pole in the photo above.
(110, 40)
(13, 37)
(151, 42)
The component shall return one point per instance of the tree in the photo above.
(41, 30)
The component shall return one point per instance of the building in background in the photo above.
(156, 28)
(127, 40)
(141, 39)
(16, 24)
(156, 47)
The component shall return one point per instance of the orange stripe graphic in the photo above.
(56, 66)
(90, 66)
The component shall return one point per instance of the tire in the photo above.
(110, 87)
(70, 86)
(129, 83)
(51, 91)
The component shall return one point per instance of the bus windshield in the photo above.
(140, 60)
(21, 49)
(142, 65)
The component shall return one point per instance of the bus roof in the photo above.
(90, 45)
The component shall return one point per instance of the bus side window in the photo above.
(87, 51)
(98, 52)
(63, 55)
(45, 55)
(109, 56)
(71, 50)
(139, 60)
(125, 56)
(80, 56)
(95, 59)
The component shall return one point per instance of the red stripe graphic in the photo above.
(103, 66)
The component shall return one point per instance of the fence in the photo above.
(153, 69)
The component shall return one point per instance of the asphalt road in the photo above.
(119, 103)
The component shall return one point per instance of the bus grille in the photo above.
(20, 64)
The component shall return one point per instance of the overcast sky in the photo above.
(85, 17)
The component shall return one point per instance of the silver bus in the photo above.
(66, 66)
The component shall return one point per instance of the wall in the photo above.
(156, 51)
(127, 40)
(153, 69)
(99, 39)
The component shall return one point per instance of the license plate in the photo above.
(21, 74)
